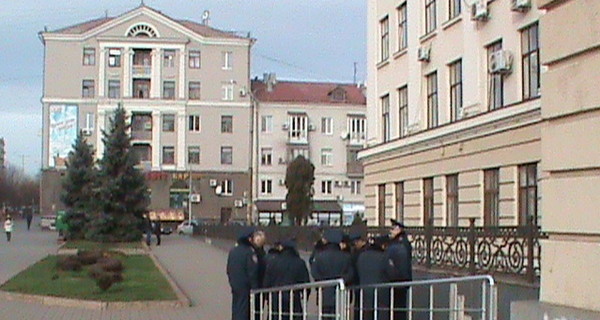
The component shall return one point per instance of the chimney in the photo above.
(270, 79)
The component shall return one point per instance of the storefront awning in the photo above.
(327, 206)
(279, 206)
(270, 205)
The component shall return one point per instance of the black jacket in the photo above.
(262, 264)
(371, 271)
(329, 264)
(242, 267)
(398, 266)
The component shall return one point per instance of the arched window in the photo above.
(142, 30)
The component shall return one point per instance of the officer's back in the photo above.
(371, 271)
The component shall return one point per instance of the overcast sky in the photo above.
(297, 39)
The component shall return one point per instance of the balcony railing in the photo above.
(142, 71)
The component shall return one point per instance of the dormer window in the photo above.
(338, 95)
(142, 30)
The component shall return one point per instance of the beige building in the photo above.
(324, 122)
(182, 83)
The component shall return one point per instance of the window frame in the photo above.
(399, 200)
(495, 81)
(454, 8)
(194, 90)
(266, 124)
(327, 125)
(89, 90)
(116, 63)
(195, 59)
(355, 187)
(384, 38)
(433, 108)
(114, 86)
(491, 197)
(327, 157)
(226, 187)
(327, 186)
(192, 150)
(381, 204)
(226, 124)
(385, 118)
(169, 53)
(89, 57)
(167, 118)
(428, 201)
(90, 124)
(402, 15)
(194, 124)
(527, 186)
(430, 16)
(227, 92)
(224, 153)
(527, 55)
(403, 111)
(164, 153)
(266, 156)
(227, 59)
(456, 89)
(452, 200)
(167, 89)
(266, 186)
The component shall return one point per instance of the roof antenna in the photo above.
(106, 13)
(142, 4)
(355, 65)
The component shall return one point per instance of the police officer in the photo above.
(287, 268)
(371, 271)
(242, 271)
(318, 247)
(258, 242)
(398, 266)
(332, 263)
(358, 245)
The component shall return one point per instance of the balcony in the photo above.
(142, 71)
(357, 139)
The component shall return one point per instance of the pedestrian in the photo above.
(371, 271)
(398, 266)
(242, 272)
(29, 217)
(147, 228)
(258, 242)
(332, 263)
(8, 227)
(318, 247)
(357, 246)
(287, 268)
(273, 252)
(157, 228)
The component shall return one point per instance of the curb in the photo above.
(182, 299)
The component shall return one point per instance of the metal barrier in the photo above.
(415, 300)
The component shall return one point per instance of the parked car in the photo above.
(48, 222)
(187, 227)
(166, 230)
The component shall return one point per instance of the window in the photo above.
(454, 8)
(430, 16)
(428, 203)
(399, 197)
(528, 195)
(227, 60)
(327, 126)
(141, 88)
(495, 81)
(226, 155)
(168, 124)
(226, 124)
(194, 155)
(194, 90)
(298, 127)
(491, 201)
(432, 100)
(456, 90)
(326, 186)
(266, 124)
(226, 187)
(194, 123)
(381, 204)
(326, 157)
(357, 127)
(87, 89)
(89, 56)
(385, 115)
(403, 111)
(402, 27)
(296, 152)
(266, 186)
(143, 152)
(141, 122)
(194, 61)
(169, 90)
(114, 89)
(355, 187)
(530, 50)
(168, 155)
(227, 92)
(90, 121)
(338, 95)
(384, 27)
(114, 57)
(169, 59)
(452, 200)
(266, 156)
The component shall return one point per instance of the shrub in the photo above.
(95, 271)
(68, 263)
(104, 281)
(110, 264)
(117, 277)
(88, 257)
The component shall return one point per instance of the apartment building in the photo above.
(325, 123)
(182, 85)
(454, 113)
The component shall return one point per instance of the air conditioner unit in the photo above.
(479, 10)
(212, 182)
(281, 182)
(195, 198)
(312, 127)
(238, 203)
(148, 126)
(86, 132)
(500, 62)
(243, 92)
(284, 206)
(285, 127)
(424, 54)
(282, 160)
(520, 5)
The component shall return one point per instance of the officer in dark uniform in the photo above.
(273, 252)
(332, 263)
(242, 271)
(358, 245)
(371, 271)
(287, 268)
(398, 266)
(258, 242)
(318, 247)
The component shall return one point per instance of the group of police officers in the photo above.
(353, 258)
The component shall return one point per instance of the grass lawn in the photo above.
(142, 281)
(88, 245)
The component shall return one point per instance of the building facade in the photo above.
(325, 123)
(180, 83)
(454, 113)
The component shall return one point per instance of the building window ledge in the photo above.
(400, 53)
(428, 36)
(383, 63)
(451, 22)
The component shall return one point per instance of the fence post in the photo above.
(472, 239)
(428, 241)
(531, 234)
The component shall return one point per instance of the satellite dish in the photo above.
(218, 190)
(205, 16)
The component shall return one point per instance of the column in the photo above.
(127, 75)
(182, 67)
(156, 83)
(101, 125)
(101, 72)
(181, 146)
(156, 147)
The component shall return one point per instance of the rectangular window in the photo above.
(169, 58)
(495, 81)
(381, 204)
(194, 90)
(226, 124)
(89, 56)
(168, 123)
(169, 90)
(491, 200)
(194, 123)
(452, 200)
(266, 124)
(357, 127)
(114, 89)
(168, 155)
(226, 155)
(90, 121)
(227, 60)
(385, 118)
(87, 89)
(454, 8)
(326, 186)
(430, 16)
(530, 50)
(432, 100)
(194, 155)
(402, 27)
(355, 187)
(226, 187)
(428, 201)
(384, 29)
(141, 88)
(266, 156)
(194, 61)
(114, 57)
(227, 92)
(528, 194)
(298, 129)
(296, 152)
(141, 122)
(403, 111)
(327, 126)
(266, 186)
(456, 90)
(326, 157)
(143, 152)
(399, 195)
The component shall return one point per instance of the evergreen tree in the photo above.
(123, 195)
(78, 187)
(299, 179)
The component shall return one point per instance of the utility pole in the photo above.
(190, 195)
(355, 68)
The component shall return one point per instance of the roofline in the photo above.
(340, 83)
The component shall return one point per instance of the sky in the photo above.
(296, 39)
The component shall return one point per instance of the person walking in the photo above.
(147, 228)
(398, 266)
(242, 273)
(8, 227)
(370, 267)
(157, 228)
(29, 217)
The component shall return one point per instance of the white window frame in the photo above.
(114, 57)
(355, 187)
(266, 186)
(226, 187)
(266, 124)
(327, 157)
(222, 149)
(227, 92)
(298, 127)
(327, 187)
(194, 124)
(89, 56)
(227, 60)
(90, 121)
(169, 58)
(357, 128)
(195, 59)
(327, 125)
(266, 156)
(199, 154)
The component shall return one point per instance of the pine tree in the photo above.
(299, 179)
(78, 187)
(123, 195)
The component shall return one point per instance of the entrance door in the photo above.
(225, 215)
